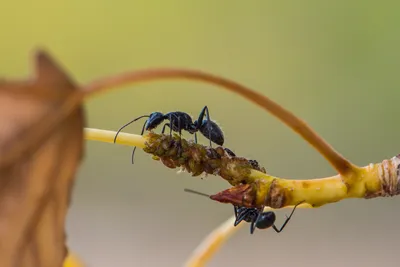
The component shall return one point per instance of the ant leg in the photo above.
(180, 136)
(141, 133)
(115, 138)
(260, 211)
(252, 226)
(287, 219)
(201, 116)
(240, 217)
(165, 125)
(179, 127)
(208, 124)
(195, 138)
(203, 112)
(134, 149)
(255, 220)
(170, 129)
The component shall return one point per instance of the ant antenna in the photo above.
(134, 149)
(115, 138)
(196, 192)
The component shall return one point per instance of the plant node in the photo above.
(389, 178)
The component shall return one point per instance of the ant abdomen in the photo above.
(213, 131)
(267, 219)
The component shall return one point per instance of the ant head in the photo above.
(211, 131)
(267, 219)
(155, 119)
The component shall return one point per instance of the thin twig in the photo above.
(212, 243)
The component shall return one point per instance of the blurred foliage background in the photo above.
(334, 63)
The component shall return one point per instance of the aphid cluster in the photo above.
(196, 159)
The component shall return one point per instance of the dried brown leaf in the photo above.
(41, 144)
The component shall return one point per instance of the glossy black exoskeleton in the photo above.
(179, 121)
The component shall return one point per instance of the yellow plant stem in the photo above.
(363, 183)
(212, 243)
(373, 180)
(108, 137)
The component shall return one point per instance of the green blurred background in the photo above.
(334, 63)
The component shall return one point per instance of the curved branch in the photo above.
(341, 164)
(212, 243)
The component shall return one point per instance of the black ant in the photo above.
(179, 121)
(257, 218)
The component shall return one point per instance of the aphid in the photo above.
(253, 162)
(230, 152)
(256, 217)
(179, 121)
